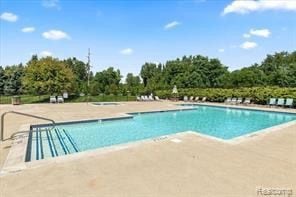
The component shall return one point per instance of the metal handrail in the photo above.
(23, 114)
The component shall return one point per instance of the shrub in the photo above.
(259, 95)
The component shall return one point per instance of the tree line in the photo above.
(50, 75)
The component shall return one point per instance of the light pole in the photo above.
(88, 74)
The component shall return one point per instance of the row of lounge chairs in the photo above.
(194, 99)
(58, 99)
(280, 102)
(272, 101)
(148, 98)
(236, 101)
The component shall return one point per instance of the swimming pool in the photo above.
(219, 122)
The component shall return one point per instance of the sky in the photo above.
(126, 34)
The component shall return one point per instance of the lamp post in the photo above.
(88, 73)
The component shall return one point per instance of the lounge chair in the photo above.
(146, 98)
(196, 99)
(191, 99)
(289, 102)
(204, 99)
(157, 98)
(272, 102)
(138, 98)
(150, 98)
(60, 99)
(233, 101)
(247, 101)
(239, 101)
(228, 100)
(280, 102)
(52, 99)
(185, 98)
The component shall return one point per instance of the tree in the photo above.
(248, 77)
(79, 69)
(2, 80)
(13, 79)
(107, 81)
(48, 75)
(148, 71)
(133, 83)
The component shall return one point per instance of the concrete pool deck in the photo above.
(188, 165)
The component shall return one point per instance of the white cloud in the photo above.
(172, 25)
(221, 50)
(260, 32)
(248, 45)
(51, 4)
(8, 16)
(246, 35)
(247, 6)
(55, 35)
(28, 29)
(45, 53)
(127, 51)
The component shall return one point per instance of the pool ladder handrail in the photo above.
(23, 114)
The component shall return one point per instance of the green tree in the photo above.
(107, 81)
(48, 75)
(79, 69)
(13, 79)
(133, 83)
(2, 80)
(148, 71)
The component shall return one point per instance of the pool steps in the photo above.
(47, 143)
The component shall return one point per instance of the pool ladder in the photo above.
(23, 114)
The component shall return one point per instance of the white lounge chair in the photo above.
(185, 98)
(146, 98)
(150, 98)
(191, 99)
(138, 98)
(289, 102)
(196, 99)
(157, 98)
(204, 99)
(228, 100)
(233, 101)
(280, 102)
(52, 99)
(239, 101)
(272, 102)
(247, 101)
(60, 99)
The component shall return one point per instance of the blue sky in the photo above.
(126, 34)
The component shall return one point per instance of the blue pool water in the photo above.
(224, 123)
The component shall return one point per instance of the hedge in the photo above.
(259, 95)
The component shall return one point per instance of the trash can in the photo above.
(16, 100)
